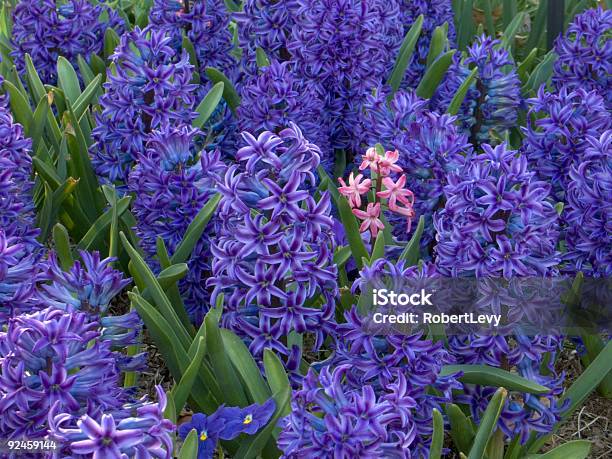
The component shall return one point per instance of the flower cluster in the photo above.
(53, 356)
(585, 54)
(346, 46)
(265, 24)
(435, 13)
(205, 23)
(398, 198)
(491, 104)
(275, 97)
(498, 219)
(400, 368)
(46, 29)
(330, 418)
(171, 182)
(135, 430)
(273, 255)
(226, 423)
(432, 144)
(148, 89)
(519, 416)
(588, 234)
(555, 141)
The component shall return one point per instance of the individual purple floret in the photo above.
(277, 96)
(226, 423)
(132, 430)
(588, 211)
(498, 219)
(46, 29)
(148, 89)
(332, 419)
(555, 139)
(171, 183)
(435, 13)
(53, 356)
(274, 251)
(205, 23)
(268, 25)
(585, 54)
(348, 48)
(430, 147)
(492, 102)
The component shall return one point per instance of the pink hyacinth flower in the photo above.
(407, 212)
(370, 159)
(354, 189)
(395, 192)
(386, 164)
(370, 218)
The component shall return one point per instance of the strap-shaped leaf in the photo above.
(509, 34)
(541, 73)
(111, 40)
(68, 79)
(229, 92)
(459, 97)
(434, 74)
(157, 294)
(19, 105)
(180, 392)
(491, 376)
(437, 439)
(576, 449)
(525, 67)
(461, 431)
(195, 230)
(83, 101)
(411, 252)
(276, 374)
(261, 58)
(466, 24)
(61, 244)
(246, 367)
(438, 43)
(488, 14)
(404, 55)
(233, 392)
(209, 104)
(98, 229)
(488, 423)
(342, 255)
(189, 450)
(34, 82)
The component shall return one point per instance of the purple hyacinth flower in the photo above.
(104, 440)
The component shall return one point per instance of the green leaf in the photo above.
(233, 6)
(438, 43)
(434, 74)
(508, 12)
(83, 101)
(170, 276)
(525, 67)
(541, 73)
(61, 244)
(34, 82)
(404, 55)
(189, 450)
(54, 200)
(39, 121)
(246, 366)
(261, 58)
(209, 104)
(488, 14)
(488, 424)
(276, 374)
(353, 234)
(466, 24)
(193, 57)
(378, 251)
(342, 255)
(180, 392)
(86, 71)
(509, 34)
(99, 228)
(229, 92)
(492, 376)
(576, 449)
(538, 26)
(111, 40)
(195, 230)
(459, 97)
(19, 105)
(411, 254)
(68, 79)
(462, 431)
(224, 372)
(157, 294)
(437, 439)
